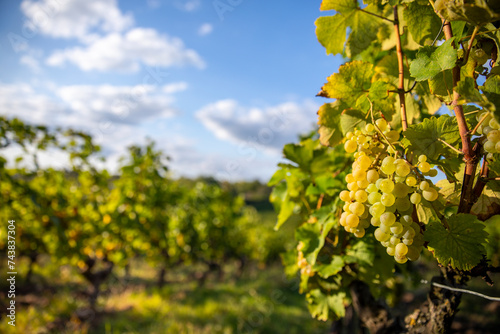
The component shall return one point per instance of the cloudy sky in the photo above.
(220, 85)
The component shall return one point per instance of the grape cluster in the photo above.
(490, 128)
(383, 189)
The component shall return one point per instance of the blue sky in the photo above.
(221, 86)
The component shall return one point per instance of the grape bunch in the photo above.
(383, 189)
(489, 128)
(304, 266)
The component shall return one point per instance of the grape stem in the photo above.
(453, 148)
(479, 124)
(376, 15)
(376, 126)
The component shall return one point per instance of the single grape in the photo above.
(385, 244)
(493, 124)
(487, 130)
(364, 223)
(415, 198)
(372, 176)
(403, 169)
(400, 190)
(387, 218)
(361, 196)
(359, 233)
(382, 124)
(391, 251)
(388, 199)
(388, 169)
(357, 208)
(411, 181)
(424, 167)
(413, 253)
(401, 249)
(386, 186)
(374, 197)
(380, 235)
(424, 185)
(403, 204)
(394, 240)
(344, 195)
(349, 135)
(352, 220)
(392, 136)
(432, 173)
(407, 242)
(361, 139)
(489, 146)
(377, 209)
(343, 217)
(406, 220)
(400, 260)
(353, 186)
(431, 194)
(410, 233)
(397, 228)
(350, 146)
(359, 174)
(422, 158)
(371, 188)
(375, 221)
(349, 178)
(363, 184)
(364, 162)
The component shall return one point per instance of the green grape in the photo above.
(350, 146)
(388, 161)
(403, 169)
(410, 233)
(385, 228)
(361, 139)
(388, 169)
(391, 251)
(388, 199)
(493, 124)
(407, 242)
(422, 158)
(381, 124)
(490, 146)
(400, 190)
(359, 174)
(415, 198)
(345, 208)
(387, 218)
(386, 186)
(349, 135)
(377, 209)
(365, 214)
(401, 249)
(359, 233)
(364, 223)
(357, 208)
(397, 228)
(392, 136)
(391, 208)
(345, 196)
(361, 196)
(399, 179)
(343, 217)
(374, 197)
(369, 128)
(400, 260)
(411, 181)
(364, 162)
(487, 130)
(385, 244)
(432, 173)
(372, 176)
(431, 194)
(394, 240)
(352, 220)
(357, 132)
(403, 204)
(371, 188)
(349, 178)
(363, 184)
(424, 167)
(375, 221)
(424, 185)
(353, 186)
(380, 235)
(413, 253)
(406, 220)
(416, 228)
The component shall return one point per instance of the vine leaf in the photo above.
(461, 245)
(477, 12)
(313, 236)
(332, 30)
(320, 304)
(352, 119)
(426, 137)
(450, 191)
(491, 89)
(422, 22)
(432, 60)
(330, 133)
(487, 205)
(330, 269)
(352, 82)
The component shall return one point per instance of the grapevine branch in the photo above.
(469, 156)
(401, 88)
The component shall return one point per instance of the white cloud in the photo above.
(127, 52)
(75, 18)
(31, 62)
(205, 29)
(269, 127)
(187, 5)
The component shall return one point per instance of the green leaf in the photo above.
(299, 154)
(330, 133)
(432, 60)
(361, 252)
(422, 22)
(343, 6)
(432, 103)
(331, 30)
(352, 119)
(330, 269)
(461, 244)
(426, 212)
(487, 205)
(425, 138)
(320, 304)
(491, 89)
(442, 86)
(352, 82)
(313, 236)
(450, 191)
(477, 12)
